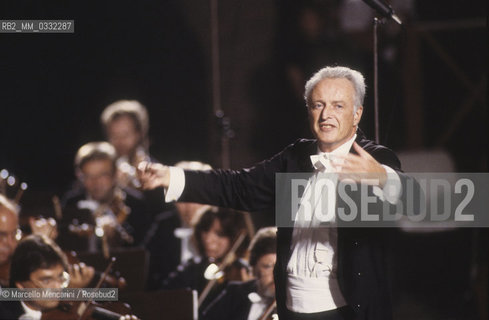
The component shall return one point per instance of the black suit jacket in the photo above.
(361, 268)
(11, 310)
(163, 246)
(136, 224)
(232, 303)
(190, 275)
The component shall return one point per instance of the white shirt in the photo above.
(258, 306)
(30, 314)
(187, 251)
(312, 284)
(311, 271)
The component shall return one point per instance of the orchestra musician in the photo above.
(126, 125)
(249, 300)
(117, 216)
(214, 234)
(37, 262)
(169, 239)
(9, 236)
(80, 274)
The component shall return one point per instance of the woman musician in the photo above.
(250, 300)
(215, 234)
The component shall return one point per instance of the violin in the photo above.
(89, 310)
(270, 312)
(104, 221)
(216, 273)
(74, 311)
(109, 281)
(121, 212)
(48, 227)
(127, 169)
(107, 220)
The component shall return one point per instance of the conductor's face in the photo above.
(331, 115)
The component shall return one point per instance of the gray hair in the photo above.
(355, 77)
(99, 150)
(8, 204)
(132, 108)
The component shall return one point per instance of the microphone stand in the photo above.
(386, 11)
(226, 133)
(223, 122)
(377, 22)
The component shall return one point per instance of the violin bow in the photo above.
(83, 308)
(269, 310)
(225, 262)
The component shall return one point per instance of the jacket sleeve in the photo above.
(410, 189)
(248, 189)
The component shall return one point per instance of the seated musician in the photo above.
(117, 216)
(126, 124)
(250, 300)
(9, 236)
(215, 234)
(36, 263)
(81, 275)
(169, 239)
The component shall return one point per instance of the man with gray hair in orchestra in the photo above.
(126, 126)
(321, 273)
(9, 236)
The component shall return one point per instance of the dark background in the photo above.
(53, 88)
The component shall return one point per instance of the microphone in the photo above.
(384, 9)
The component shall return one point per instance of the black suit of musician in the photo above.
(233, 302)
(122, 213)
(251, 299)
(334, 97)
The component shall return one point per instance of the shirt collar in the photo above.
(342, 150)
(30, 313)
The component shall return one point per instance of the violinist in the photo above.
(250, 300)
(36, 263)
(126, 124)
(215, 234)
(80, 274)
(9, 236)
(115, 216)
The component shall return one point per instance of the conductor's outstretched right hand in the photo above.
(153, 175)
